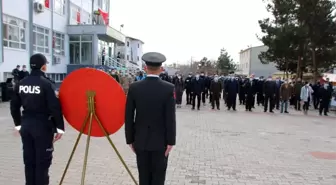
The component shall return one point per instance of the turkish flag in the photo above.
(78, 17)
(104, 15)
(46, 3)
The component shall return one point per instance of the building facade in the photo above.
(70, 33)
(249, 63)
(131, 52)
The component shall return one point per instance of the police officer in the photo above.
(41, 118)
(151, 131)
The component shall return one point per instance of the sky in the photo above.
(185, 29)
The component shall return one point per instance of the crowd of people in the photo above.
(270, 93)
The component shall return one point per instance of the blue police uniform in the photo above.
(40, 118)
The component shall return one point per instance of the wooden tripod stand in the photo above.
(88, 120)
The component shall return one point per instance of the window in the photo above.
(14, 32)
(57, 77)
(41, 39)
(59, 6)
(58, 44)
(127, 57)
(138, 45)
(127, 44)
(138, 58)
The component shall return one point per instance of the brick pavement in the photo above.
(213, 148)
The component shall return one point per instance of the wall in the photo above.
(258, 68)
(244, 62)
(13, 57)
(132, 50)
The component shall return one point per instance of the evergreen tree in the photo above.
(224, 63)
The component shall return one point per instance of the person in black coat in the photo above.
(37, 123)
(269, 89)
(278, 84)
(164, 76)
(215, 92)
(16, 74)
(250, 87)
(150, 122)
(179, 88)
(187, 85)
(23, 73)
(204, 78)
(241, 91)
(316, 94)
(231, 89)
(260, 93)
(197, 86)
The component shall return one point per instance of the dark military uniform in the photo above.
(150, 123)
(40, 117)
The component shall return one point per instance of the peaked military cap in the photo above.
(153, 59)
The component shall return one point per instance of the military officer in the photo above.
(150, 121)
(41, 118)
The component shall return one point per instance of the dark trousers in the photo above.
(316, 101)
(324, 107)
(189, 97)
(37, 154)
(179, 97)
(210, 97)
(215, 99)
(203, 96)
(305, 106)
(241, 98)
(231, 101)
(198, 96)
(249, 102)
(269, 99)
(260, 99)
(277, 101)
(297, 102)
(152, 166)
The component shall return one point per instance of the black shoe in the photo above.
(193, 108)
(286, 112)
(325, 114)
(250, 110)
(218, 108)
(271, 111)
(198, 108)
(265, 110)
(213, 108)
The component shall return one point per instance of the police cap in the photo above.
(37, 61)
(153, 59)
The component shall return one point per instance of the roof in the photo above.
(135, 39)
(242, 51)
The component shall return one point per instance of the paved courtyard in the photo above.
(213, 148)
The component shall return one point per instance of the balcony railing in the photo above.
(112, 62)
